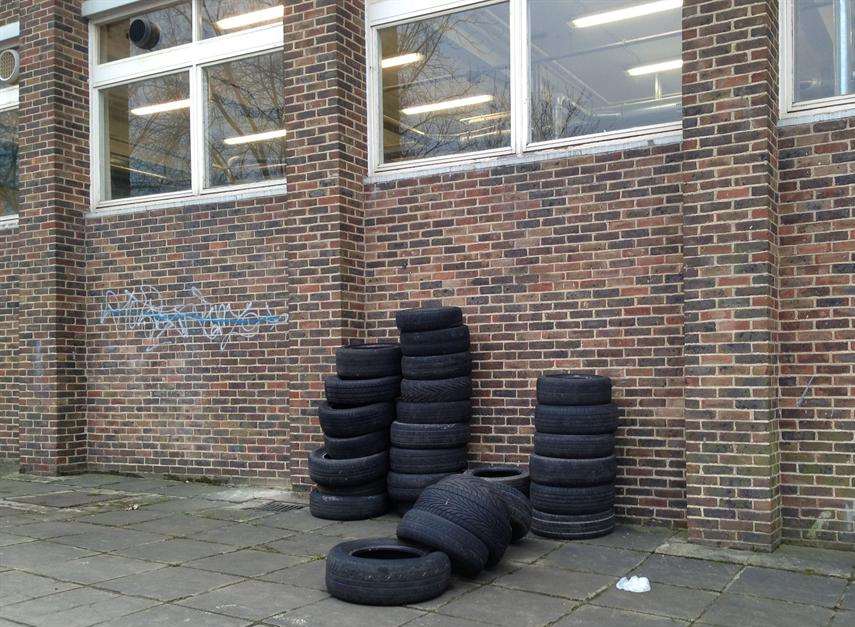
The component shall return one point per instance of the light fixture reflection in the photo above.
(162, 107)
(456, 103)
(256, 137)
(253, 17)
(653, 68)
(404, 59)
(626, 13)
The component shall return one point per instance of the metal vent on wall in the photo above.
(10, 65)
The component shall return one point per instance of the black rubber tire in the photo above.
(434, 413)
(368, 361)
(519, 509)
(563, 500)
(349, 422)
(439, 342)
(437, 366)
(427, 461)
(329, 506)
(408, 487)
(346, 472)
(467, 553)
(409, 435)
(472, 504)
(563, 388)
(428, 318)
(388, 579)
(378, 486)
(359, 446)
(572, 472)
(581, 420)
(569, 527)
(574, 446)
(437, 390)
(402, 507)
(512, 476)
(355, 392)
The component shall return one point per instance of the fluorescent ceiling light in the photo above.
(248, 19)
(257, 137)
(457, 103)
(404, 59)
(119, 166)
(653, 68)
(487, 117)
(162, 107)
(626, 13)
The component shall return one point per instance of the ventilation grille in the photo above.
(277, 507)
(10, 63)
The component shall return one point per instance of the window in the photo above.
(818, 55)
(8, 163)
(490, 78)
(188, 100)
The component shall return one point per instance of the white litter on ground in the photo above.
(634, 584)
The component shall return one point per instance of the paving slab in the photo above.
(168, 584)
(306, 575)
(30, 611)
(17, 586)
(64, 500)
(843, 618)
(556, 582)
(52, 529)
(254, 600)
(96, 613)
(456, 588)
(438, 620)
(633, 537)
(122, 517)
(374, 528)
(172, 615)
(246, 563)
(848, 600)
(39, 552)
(807, 559)
(297, 520)
(92, 480)
(593, 558)
(512, 608)
(233, 514)
(309, 544)
(737, 609)
(181, 506)
(530, 549)
(250, 493)
(334, 612)
(8, 539)
(110, 539)
(789, 586)
(182, 525)
(175, 551)
(687, 572)
(242, 534)
(662, 600)
(94, 569)
(593, 616)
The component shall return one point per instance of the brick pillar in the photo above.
(730, 86)
(54, 177)
(325, 91)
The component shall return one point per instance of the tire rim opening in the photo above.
(387, 553)
(497, 473)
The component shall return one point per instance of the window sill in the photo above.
(797, 118)
(483, 163)
(8, 223)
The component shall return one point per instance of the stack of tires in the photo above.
(430, 434)
(350, 469)
(573, 466)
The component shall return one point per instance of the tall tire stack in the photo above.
(573, 466)
(350, 469)
(431, 431)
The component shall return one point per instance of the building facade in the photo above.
(209, 197)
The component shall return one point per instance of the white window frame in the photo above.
(791, 110)
(191, 58)
(384, 13)
(9, 101)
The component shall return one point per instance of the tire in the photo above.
(434, 413)
(473, 505)
(368, 361)
(519, 509)
(378, 486)
(438, 390)
(428, 319)
(437, 366)
(349, 422)
(581, 420)
(562, 500)
(427, 461)
(383, 572)
(439, 342)
(564, 388)
(568, 527)
(402, 507)
(402, 487)
(574, 446)
(346, 472)
(408, 435)
(512, 476)
(572, 472)
(355, 392)
(359, 446)
(329, 506)
(467, 553)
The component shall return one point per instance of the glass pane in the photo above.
(220, 17)
(148, 126)
(603, 65)
(155, 30)
(823, 49)
(246, 120)
(8, 163)
(446, 84)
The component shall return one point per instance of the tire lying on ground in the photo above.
(411, 435)
(368, 361)
(572, 527)
(354, 392)
(572, 472)
(467, 553)
(512, 476)
(438, 390)
(574, 446)
(437, 366)
(427, 461)
(358, 446)
(408, 487)
(570, 420)
(566, 500)
(330, 506)
(519, 509)
(349, 422)
(434, 413)
(346, 472)
(383, 572)
(428, 318)
(574, 389)
(439, 342)
(378, 486)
